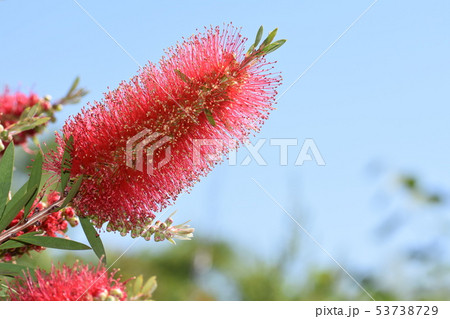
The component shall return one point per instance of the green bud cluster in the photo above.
(159, 230)
(114, 294)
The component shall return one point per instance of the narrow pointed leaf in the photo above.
(66, 163)
(6, 172)
(29, 112)
(150, 286)
(259, 36)
(32, 112)
(16, 244)
(273, 46)
(16, 197)
(35, 179)
(182, 76)
(74, 86)
(250, 50)
(30, 234)
(24, 114)
(138, 285)
(210, 117)
(269, 38)
(15, 205)
(53, 242)
(29, 123)
(8, 269)
(93, 238)
(73, 191)
(11, 244)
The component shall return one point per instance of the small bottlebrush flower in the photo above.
(206, 88)
(79, 282)
(12, 105)
(23, 116)
(53, 225)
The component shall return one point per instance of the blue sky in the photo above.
(378, 98)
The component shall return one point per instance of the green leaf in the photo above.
(273, 46)
(24, 114)
(257, 40)
(209, 117)
(74, 86)
(138, 285)
(18, 194)
(30, 234)
(74, 94)
(11, 244)
(8, 269)
(19, 200)
(150, 286)
(16, 244)
(29, 112)
(28, 124)
(53, 242)
(182, 76)
(258, 36)
(269, 38)
(6, 172)
(250, 50)
(73, 191)
(33, 111)
(35, 179)
(66, 163)
(93, 238)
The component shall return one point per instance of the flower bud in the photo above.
(109, 227)
(117, 292)
(101, 295)
(159, 236)
(163, 226)
(168, 234)
(169, 222)
(46, 106)
(134, 233)
(58, 107)
(73, 221)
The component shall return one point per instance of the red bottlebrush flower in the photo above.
(77, 283)
(205, 88)
(53, 225)
(12, 106)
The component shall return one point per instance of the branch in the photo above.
(6, 235)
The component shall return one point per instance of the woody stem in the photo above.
(33, 219)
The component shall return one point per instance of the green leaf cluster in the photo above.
(23, 199)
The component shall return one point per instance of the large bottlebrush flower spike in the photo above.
(205, 88)
(77, 283)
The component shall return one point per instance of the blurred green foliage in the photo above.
(204, 270)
